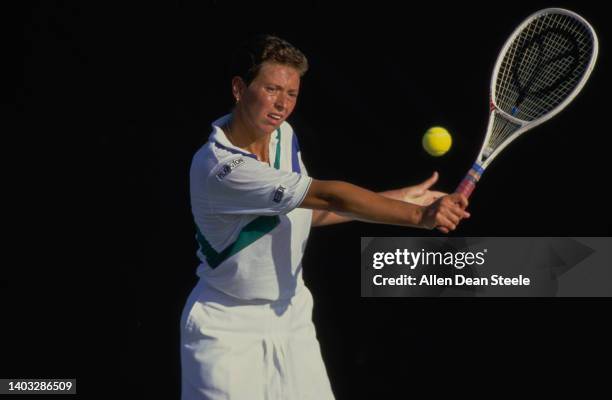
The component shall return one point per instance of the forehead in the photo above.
(278, 74)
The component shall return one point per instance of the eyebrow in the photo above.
(281, 87)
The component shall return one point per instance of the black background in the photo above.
(113, 100)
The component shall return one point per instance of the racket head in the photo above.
(541, 68)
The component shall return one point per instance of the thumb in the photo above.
(430, 181)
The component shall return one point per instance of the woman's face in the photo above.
(270, 98)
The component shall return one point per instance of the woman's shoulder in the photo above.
(212, 156)
(205, 158)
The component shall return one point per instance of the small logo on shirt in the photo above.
(278, 194)
(229, 167)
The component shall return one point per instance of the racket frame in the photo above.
(473, 176)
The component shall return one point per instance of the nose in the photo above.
(281, 102)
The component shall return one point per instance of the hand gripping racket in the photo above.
(539, 71)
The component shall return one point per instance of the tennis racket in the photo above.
(539, 71)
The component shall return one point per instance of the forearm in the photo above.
(353, 202)
(397, 194)
(324, 218)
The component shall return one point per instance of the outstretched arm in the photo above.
(418, 194)
(353, 202)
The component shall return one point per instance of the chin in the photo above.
(269, 127)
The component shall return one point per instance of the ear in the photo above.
(238, 88)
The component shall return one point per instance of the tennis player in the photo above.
(246, 329)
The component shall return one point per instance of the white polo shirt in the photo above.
(251, 235)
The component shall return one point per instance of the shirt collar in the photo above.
(219, 137)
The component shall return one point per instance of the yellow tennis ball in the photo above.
(437, 141)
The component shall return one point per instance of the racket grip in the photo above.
(467, 185)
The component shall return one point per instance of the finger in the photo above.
(460, 199)
(452, 216)
(442, 229)
(429, 182)
(458, 213)
(443, 221)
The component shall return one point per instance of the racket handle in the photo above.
(467, 185)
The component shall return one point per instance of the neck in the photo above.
(241, 135)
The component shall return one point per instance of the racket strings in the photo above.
(555, 80)
(543, 66)
(532, 59)
(501, 129)
(559, 63)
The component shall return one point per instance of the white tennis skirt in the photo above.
(236, 349)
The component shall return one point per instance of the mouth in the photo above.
(276, 118)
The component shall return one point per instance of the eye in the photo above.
(270, 89)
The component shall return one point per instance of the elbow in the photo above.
(327, 195)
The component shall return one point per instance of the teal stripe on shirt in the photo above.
(248, 235)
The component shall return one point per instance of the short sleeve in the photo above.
(243, 185)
